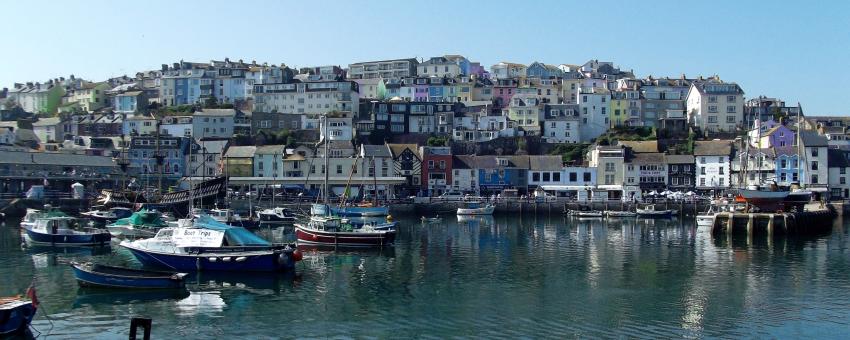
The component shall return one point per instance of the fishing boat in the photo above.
(96, 275)
(203, 243)
(33, 215)
(143, 223)
(337, 231)
(616, 214)
(108, 215)
(476, 208)
(585, 213)
(276, 215)
(651, 211)
(16, 313)
(65, 231)
(228, 216)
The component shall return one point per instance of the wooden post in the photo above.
(770, 227)
(146, 325)
(730, 223)
(750, 225)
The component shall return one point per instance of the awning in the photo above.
(610, 187)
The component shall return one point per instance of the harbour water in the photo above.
(544, 276)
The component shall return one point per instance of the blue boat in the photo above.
(16, 313)
(203, 243)
(95, 275)
(65, 231)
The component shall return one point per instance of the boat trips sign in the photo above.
(198, 238)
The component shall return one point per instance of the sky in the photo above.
(795, 51)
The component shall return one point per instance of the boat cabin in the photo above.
(55, 225)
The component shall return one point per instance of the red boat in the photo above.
(335, 231)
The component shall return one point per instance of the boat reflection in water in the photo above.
(201, 302)
(256, 282)
(92, 296)
(476, 220)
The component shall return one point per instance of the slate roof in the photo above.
(713, 148)
(47, 121)
(397, 149)
(679, 159)
(641, 146)
(368, 150)
(648, 158)
(811, 138)
(270, 150)
(545, 162)
(241, 151)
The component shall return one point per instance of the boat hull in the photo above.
(130, 231)
(254, 261)
(488, 210)
(705, 220)
(132, 279)
(361, 211)
(656, 213)
(344, 239)
(621, 214)
(97, 239)
(15, 317)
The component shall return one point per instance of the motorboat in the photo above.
(65, 231)
(652, 211)
(204, 243)
(337, 231)
(620, 214)
(228, 216)
(276, 215)
(16, 313)
(97, 275)
(109, 215)
(585, 213)
(476, 208)
(143, 223)
(34, 214)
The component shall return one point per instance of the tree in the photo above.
(437, 141)
(211, 102)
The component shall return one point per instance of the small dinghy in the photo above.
(431, 219)
(96, 275)
(585, 213)
(16, 313)
(612, 213)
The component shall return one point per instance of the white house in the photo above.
(176, 126)
(308, 97)
(815, 155)
(339, 128)
(715, 106)
(48, 130)
(479, 127)
(205, 159)
(712, 164)
(561, 123)
(213, 123)
(593, 112)
(439, 67)
(139, 124)
(465, 174)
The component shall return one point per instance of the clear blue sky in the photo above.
(786, 49)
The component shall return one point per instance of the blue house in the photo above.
(497, 173)
(787, 169)
(173, 152)
(543, 71)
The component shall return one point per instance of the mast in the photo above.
(327, 159)
(375, 181)
(800, 181)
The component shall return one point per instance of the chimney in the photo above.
(164, 67)
(175, 66)
(683, 76)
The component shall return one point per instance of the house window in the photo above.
(702, 170)
(730, 109)
(586, 177)
(782, 164)
(814, 179)
(546, 177)
(814, 152)
(814, 166)
(842, 171)
(339, 168)
(702, 181)
(730, 119)
(712, 119)
(841, 180)
(535, 176)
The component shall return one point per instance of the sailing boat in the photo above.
(372, 209)
(766, 199)
(324, 228)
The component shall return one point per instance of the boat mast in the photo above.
(327, 158)
(375, 181)
(800, 181)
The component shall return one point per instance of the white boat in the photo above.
(33, 215)
(110, 215)
(585, 213)
(64, 231)
(706, 219)
(614, 213)
(476, 208)
(651, 211)
(275, 216)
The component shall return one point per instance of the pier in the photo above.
(808, 222)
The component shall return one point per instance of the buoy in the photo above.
(241, 259)
(213, 259)
(225, 259)
(389, 218)
(297, 256)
